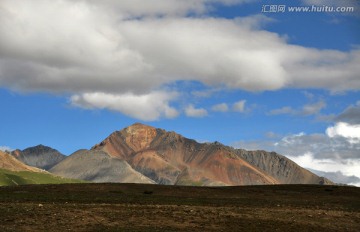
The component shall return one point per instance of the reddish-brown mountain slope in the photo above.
(169, 158)
(8, 162)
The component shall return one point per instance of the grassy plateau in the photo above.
(8, 177)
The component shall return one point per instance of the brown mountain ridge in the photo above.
(144, 154)
(8, 162)
(169, 158)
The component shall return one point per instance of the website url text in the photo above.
(310, 9)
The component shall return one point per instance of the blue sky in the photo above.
(72, 72)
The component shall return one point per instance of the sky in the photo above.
(232, 71)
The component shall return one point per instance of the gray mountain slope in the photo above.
(281, 168)
(98, 166)
(40, 156)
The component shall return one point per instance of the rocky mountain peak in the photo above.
(39, 156)
(139, 136)
(38, 149)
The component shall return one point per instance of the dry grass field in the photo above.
(135, 207)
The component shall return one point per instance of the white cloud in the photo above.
(271, 135)
(354, 183)
(283, 110)
(345, 130)
(206, 93)
(114, 56)
(338, 177)
(332, 3)
(146, 107)
(320, 145)
(325, 117)
(191, 111)
(308, 95)
(314, 108)
(239, 106)
(349, 168)
(117, 47)
(306, 110)
(139, 8)
(222, 107)
(350, 115)
(5, 148)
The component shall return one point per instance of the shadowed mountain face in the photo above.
(39, 156)
(98, 166)
(169, 158)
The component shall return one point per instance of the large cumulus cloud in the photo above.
(121, 48)
(145, 106)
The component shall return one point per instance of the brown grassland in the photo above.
(140, 207)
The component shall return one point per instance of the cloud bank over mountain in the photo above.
(335, 150)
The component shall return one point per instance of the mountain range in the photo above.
(9, 162)
(14, 172)
(144, 154)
